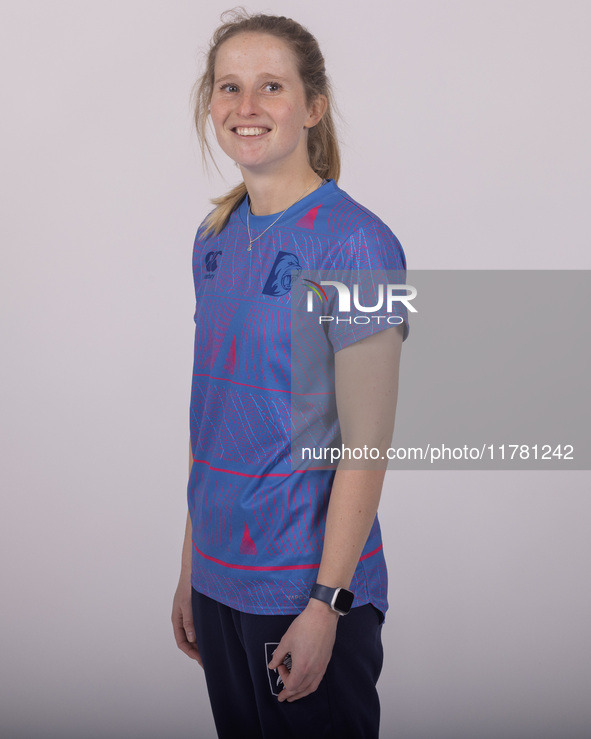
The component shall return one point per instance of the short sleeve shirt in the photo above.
(258, 522)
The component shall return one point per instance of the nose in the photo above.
(248, 104)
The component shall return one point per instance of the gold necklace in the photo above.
(250, 239)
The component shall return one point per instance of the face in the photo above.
(258, 107)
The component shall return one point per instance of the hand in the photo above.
(182, 620)
(309, 640)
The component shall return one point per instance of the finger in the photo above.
(178, 630)
(180, 637)
(294, 683)
(189, 627)
(298, 685)
(294, 695)
(194, 653)
(190, 648)
(284, 675)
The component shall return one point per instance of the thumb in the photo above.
(278, 658)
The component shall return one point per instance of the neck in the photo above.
(273, 193)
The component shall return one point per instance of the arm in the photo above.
(182, 612)
(366, 376)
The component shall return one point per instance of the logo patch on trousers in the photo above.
(275, 681)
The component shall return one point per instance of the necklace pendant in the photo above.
(248, 213)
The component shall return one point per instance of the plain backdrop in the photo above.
(465, 127)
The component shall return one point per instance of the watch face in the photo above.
(344, 600)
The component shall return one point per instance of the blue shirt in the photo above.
(258, 524)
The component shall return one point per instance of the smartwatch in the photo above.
(339, 599)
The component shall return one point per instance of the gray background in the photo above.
(465, 127)
(480, 370)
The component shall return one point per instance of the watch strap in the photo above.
(330, 595)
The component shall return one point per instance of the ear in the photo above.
(316, 111)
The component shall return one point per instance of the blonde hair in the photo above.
(323, 147)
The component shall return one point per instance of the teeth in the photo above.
(242, 131)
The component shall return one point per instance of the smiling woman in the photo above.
(298, 48)
(282, 591)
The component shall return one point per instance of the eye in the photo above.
(228, 87)
(272, 86)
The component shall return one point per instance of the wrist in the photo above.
(322, 609)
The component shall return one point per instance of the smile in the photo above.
(250, 131)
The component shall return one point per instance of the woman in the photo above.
(274, 555)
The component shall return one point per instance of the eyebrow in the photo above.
(265, 75)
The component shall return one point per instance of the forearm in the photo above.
(187, 552)
(182, 612)
(366, 391)
(351, 512)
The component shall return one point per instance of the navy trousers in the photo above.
(236, 648)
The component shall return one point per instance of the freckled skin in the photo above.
(247, 65)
